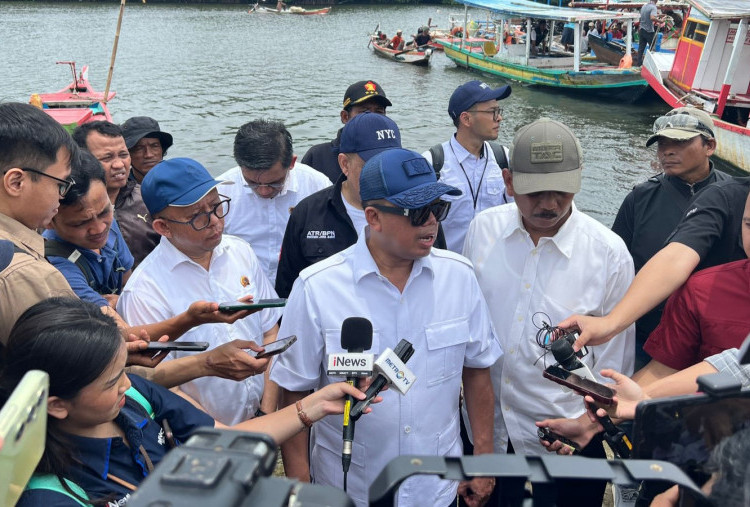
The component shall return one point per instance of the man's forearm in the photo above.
(270, 400)
(179, 371)
(480, 403)
(682, 382)
(294, 451)
(174, 327)
(664, 273)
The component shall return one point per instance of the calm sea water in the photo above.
(203, 71)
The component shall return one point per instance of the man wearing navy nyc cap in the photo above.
(195, 261)
(393, 277)
(329, 220)
(470, 160)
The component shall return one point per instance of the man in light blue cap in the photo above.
(194, 260)
(393, 277)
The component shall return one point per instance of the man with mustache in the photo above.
(536, 259)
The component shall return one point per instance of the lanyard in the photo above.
(474, 195)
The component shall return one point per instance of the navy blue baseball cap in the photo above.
(403, 177)
(472, 92)
(176, 182)
(367, 134)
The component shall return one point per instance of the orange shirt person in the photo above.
(397, 42)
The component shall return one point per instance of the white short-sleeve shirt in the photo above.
(262, 222)
(167, 282)
(441, 312)
(585, 268)
(484, 177)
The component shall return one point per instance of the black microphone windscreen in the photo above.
(356, 334)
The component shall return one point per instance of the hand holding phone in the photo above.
(237, 306)
(599, 392)
(550, 436)
(274, 348)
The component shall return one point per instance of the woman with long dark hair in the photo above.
(104, 431)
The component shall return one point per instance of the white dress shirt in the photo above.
(441, 312)
(262, 222)
(585, 268)
(167, 282)
(491, 187)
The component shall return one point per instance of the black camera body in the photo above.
(229, 469)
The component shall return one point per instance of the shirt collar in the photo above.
(172, 257)
(363, 264)
(22, 236)
(564, 239)
(462, 153)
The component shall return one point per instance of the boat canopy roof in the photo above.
(529, 9)
(722, 9)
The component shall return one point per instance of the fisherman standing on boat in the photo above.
(146, 143)
(470, 161)
(646, 29)
(360, 97)
(651, 211)
(268, 184)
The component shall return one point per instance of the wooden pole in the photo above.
(114, 51)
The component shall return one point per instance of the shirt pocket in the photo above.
(314, 250)
(446, 347)
(495, 185)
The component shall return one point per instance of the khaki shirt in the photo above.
(29, 278)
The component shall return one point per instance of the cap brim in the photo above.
(165, 139)
(422, 195)
(494, 94)
(380, 98)
(528, 183)
(196, 194)
(673, 133)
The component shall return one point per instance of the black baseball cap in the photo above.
(365, 90)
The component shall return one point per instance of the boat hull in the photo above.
(414, 57)
(298, 12)
(732, 141)
(603, 79)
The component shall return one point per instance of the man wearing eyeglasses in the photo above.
(106, 142)
(648, 214)
(35, 158)
(535, 259)
(268, 184)
(393, 277)
(194, 260)
(469, 161)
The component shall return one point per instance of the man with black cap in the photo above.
(146, 143)
(360, 97)
(393, 277)
(535, 259)
(469, 160)
(651, 211)
(194, 260)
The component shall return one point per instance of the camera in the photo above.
(229, 469)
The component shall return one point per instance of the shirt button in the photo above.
(534, 252)
(511, 350)
(507, 408)
(320, 250)
(527, 285)
(520, 318)
(407, 429)
(507, 381)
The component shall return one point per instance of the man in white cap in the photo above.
(470, 160)
(536, 259)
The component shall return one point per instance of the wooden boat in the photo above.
(77, 103)
(709, 70)
(414, 56)
(259, 9)
(609, 52)
(556, 70)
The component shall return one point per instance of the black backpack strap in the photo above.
(7, 250)
(499, 151)
(54, 248)
(438, 157)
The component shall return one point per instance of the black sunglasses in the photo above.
(418, 216)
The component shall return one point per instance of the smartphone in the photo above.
(273, 348)
(236, 306)
(185, 346)
(23, 427)
(601, 393)
(550, 436)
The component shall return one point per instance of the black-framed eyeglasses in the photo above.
(681, 120)
(63, 186)
(418, 216)
(496, 112)
(203, 219)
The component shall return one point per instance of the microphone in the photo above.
(391, 370)
(568, 359)
(356, 337)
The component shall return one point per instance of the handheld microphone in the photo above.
(568, 359)
(391, 370)
(356, 337)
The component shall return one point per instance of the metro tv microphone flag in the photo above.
(356, 337)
